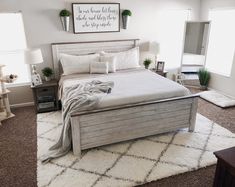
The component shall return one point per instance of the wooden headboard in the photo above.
(83, 48)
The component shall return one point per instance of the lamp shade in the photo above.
(154, 48)
(33, 56)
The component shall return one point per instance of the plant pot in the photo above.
(65, 22)
(146, 67)
(203, 87)
(125, 21)
(47, 78)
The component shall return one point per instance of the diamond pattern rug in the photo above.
(133, 162)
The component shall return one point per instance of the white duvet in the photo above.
(130, 86)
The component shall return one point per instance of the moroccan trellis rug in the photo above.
(133, 162)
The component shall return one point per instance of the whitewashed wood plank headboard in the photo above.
(82, 48)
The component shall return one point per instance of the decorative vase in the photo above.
(65, 22)
(203, 87)
(146, 67)
(47, 78)
(125, 20)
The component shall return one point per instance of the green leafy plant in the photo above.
(47, 72)
(64, 13)
(126, 13)
(204, 77)
(147, 62)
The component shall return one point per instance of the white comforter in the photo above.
(130, 86)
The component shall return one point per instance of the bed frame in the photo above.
(115, 124)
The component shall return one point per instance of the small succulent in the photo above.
(126, 13)
(47, 72)
(204, 77)
(147, 62)
(64, 13)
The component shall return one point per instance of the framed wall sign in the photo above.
(96, 17)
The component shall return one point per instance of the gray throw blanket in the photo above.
(76, 98)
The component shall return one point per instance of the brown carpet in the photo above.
(18, 150)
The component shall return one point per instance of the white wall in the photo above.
(221, 83)
(43, 27)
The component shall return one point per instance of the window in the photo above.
(221, 44)
(171, 25)
(12, 45)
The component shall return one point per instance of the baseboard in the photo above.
(22, 105)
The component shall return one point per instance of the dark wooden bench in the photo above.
(225, 169)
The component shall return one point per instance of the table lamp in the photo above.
(33, 57)
(154, 49)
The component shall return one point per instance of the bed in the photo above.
(141, 104)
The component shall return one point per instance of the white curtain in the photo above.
(12, 45)
(221, 46)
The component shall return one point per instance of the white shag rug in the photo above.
(218, 98)
(130, 163)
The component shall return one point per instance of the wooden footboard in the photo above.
(111, 125)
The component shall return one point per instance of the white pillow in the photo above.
(127, 59)
(77, 64)
(99, 67)
(111, 62)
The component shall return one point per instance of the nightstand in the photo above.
(225, 168)
(162, 73)
(45, 96)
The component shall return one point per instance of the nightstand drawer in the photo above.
(45, 91)
(45, 96)
(46, 105)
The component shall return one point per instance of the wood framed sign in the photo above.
(96, 17)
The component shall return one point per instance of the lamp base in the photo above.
(36, 80)
(155, 61)
(34, 71)
(35, 77)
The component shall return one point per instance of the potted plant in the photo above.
(64, 17)
(126, 14)
(47, 73)
(147, 62)
(204, 78)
